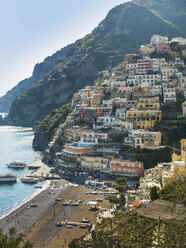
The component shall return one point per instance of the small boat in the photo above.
(38, 186)
(8, 178)
(85, 220)
(17, 165)
(29, 180)
(33, 205)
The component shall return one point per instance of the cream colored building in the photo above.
(180, 40)
(121, 126)
(143, 139)
(176, 167)
(148, 103)
(94, 162)
(147, 49)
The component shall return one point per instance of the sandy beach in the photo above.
(25, 216)
(39, 223)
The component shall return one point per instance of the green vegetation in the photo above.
(154, 193)
(13, 240)
(51, 123)
(121, 186)
(170, 10)
(114, 199)
(175, 190)
(128, 230)
(85, 44)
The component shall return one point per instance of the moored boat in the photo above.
(8, 178)
(28, 179)
(17, 165)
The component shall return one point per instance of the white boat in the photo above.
(17, 165)
(29, 179)
(8, 178)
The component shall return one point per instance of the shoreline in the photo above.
(38, 222)
(31, 197)
(16, 219)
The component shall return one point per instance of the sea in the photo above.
(16, 145)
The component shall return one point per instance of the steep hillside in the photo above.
(46, 129)
(123, 30)
(39, 71)
(171, 10)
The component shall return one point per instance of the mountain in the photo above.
(40, 70)
(171, 10)
(124, 29)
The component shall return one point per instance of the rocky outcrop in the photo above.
(40, 141)
(125, 28)
(45, 130)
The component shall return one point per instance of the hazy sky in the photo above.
(33, 30)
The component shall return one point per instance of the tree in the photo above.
(154, 193)
(121, 186)
(13, 240)
(114, 199)
(175, 190)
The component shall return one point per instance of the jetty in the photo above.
(41, 172)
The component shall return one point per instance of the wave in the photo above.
(15, 129)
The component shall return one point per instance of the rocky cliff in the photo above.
(125, 28)
(45, 130)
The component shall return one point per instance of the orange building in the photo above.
(127, 168)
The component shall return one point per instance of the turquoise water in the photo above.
(15, 145)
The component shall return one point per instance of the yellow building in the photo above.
(96, 99)
(94, 163)
(179, 161)
(147, 49)
(177, 167)
(167, 72)
(78, 150)
(72, 134)
(147, 139)
(148, 103)
(144, 119)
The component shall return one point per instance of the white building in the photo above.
(143, 139)
(145, 65)
(104, 122)
(90, 138)
(156, 90)
(158, 39)
(180, 40)
(122, 126)
(169, 94)
(136, 80)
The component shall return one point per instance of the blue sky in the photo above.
(33, 30)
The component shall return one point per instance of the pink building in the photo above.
(163, 48)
